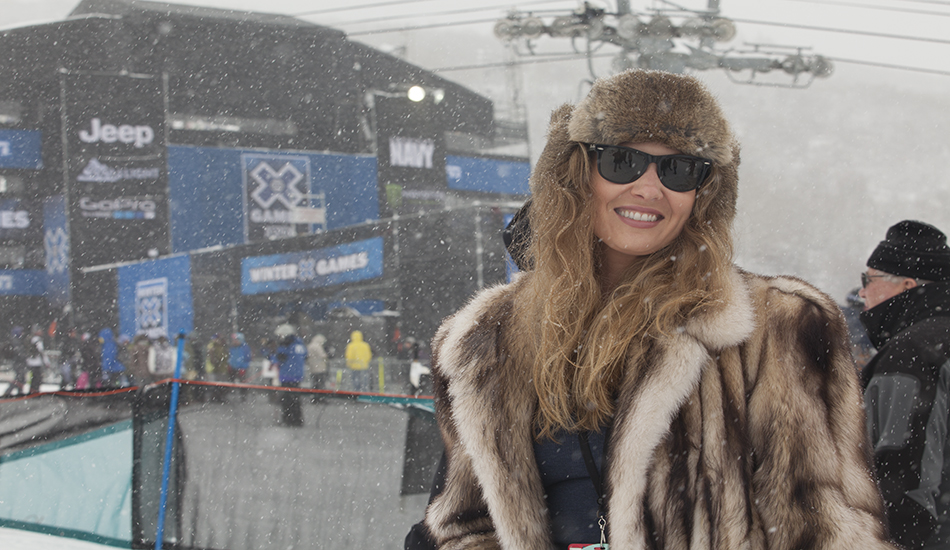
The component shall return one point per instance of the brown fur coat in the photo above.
(746, 432)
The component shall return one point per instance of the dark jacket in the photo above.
(907, 399)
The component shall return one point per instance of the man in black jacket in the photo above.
(907, 316)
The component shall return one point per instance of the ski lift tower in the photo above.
(672, 39)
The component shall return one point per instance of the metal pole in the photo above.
(169, 440)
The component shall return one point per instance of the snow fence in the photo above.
(89, 465)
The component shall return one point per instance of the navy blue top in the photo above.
(568, 489)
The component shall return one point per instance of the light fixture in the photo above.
(416, 93)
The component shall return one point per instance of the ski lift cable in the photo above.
(934, 2)
(746, 21)
(569, 57)
(882, 8)
(436, 14)
(843, 31)
(424, 27)
(398, 3)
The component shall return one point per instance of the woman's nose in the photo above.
(648, 185)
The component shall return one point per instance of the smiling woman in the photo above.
(633, 386)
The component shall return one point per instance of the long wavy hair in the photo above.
(582, 338)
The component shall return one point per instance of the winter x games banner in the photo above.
(116, 173)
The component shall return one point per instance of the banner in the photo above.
(21, 149)
(116, 175)
(155, 298)
(410, 147)
(212, 193)
(276, 197)
(56, 245)
(323, 267)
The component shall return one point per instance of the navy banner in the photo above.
(323, 267)
(116, 175)
(410, 145)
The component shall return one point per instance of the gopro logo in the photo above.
(138, 136)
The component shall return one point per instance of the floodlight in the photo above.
(416, 93)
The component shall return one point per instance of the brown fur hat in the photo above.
(651, 106)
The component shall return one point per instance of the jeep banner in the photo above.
(116, 168)
(411, 154)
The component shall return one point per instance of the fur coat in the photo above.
(746, 431)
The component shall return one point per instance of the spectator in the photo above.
(906, 290)
(358, 355)
(90, 355)
(112, 368)
(291, 360)
(317, 363)
(14, 352)
(138, 360)
(37, 361)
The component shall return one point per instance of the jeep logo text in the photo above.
(139, 136)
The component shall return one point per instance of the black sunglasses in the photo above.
(623, 165)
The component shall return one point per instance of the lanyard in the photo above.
(598, 483)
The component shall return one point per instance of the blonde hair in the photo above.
(583, 339)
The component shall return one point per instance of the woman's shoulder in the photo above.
(787, 294)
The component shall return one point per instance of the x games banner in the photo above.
(116, 173)
(277, 197)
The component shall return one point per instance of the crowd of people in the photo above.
(83, 361)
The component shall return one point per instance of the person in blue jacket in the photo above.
(112, 368)
(291, 363)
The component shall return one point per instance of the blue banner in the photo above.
(21, 149)
(323, 267)
(56, 244)
(155, 298)
(22, 282)
(487, 175)
(209, 189)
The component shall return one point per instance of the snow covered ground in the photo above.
(14, 539)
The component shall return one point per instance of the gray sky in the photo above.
(825, 170)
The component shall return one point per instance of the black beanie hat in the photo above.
(913, 249)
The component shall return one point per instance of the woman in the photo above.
(708, 407)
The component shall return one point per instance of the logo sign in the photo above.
(100, 172)
(138, 135)
(21, 149)
(125, 208)
(411, 152)
(151, 307)
(324, 267)
(411, 155)
(116, 173)
(276, 187)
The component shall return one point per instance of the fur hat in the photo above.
(649, 106)
(913, 249)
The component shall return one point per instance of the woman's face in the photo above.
(640, 217)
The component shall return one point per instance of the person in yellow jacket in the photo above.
(358, 356)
